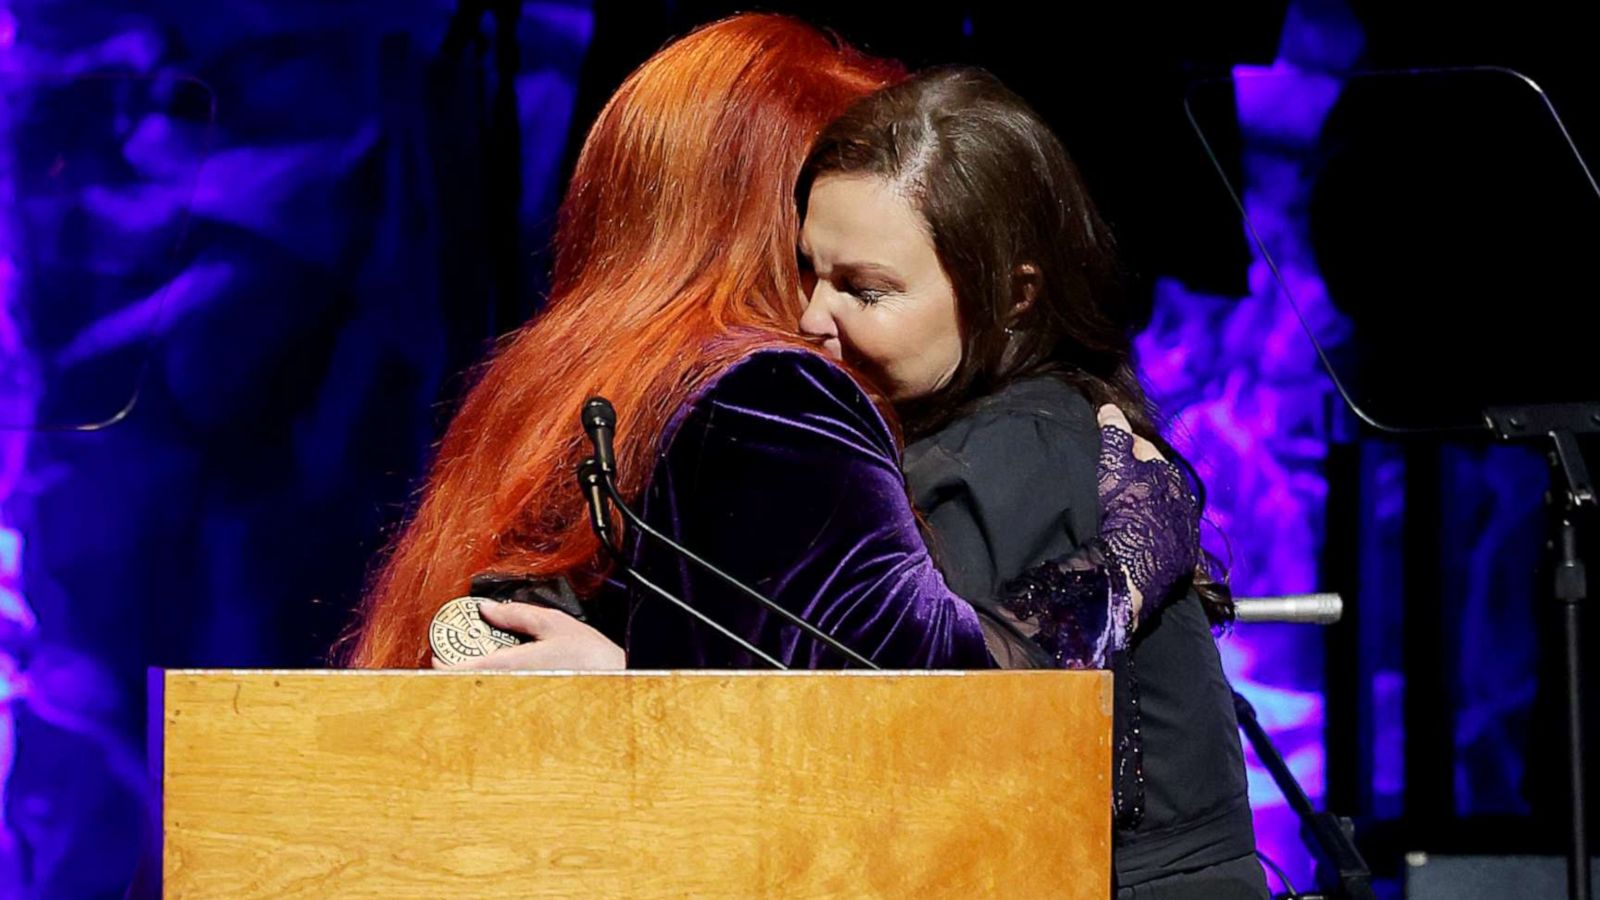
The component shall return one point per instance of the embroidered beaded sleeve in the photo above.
(1086, 605)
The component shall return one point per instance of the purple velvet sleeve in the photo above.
(782, 473)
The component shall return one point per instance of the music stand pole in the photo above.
(1571, 488)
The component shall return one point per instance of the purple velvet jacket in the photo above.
(782, 473)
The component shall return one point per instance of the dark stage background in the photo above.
(289, 263)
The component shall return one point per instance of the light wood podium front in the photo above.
(286, 784)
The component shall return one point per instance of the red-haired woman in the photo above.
(675, 294)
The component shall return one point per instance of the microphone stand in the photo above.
(811, 630)
(599, 420)
(1340, 870)
(591, 479)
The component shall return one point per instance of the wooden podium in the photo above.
(288, 784)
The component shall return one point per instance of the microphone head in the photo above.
(589, 473)
(598, 413)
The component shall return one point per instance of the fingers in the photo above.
(522, 618)
(1144, 451)
(558, 642)
(580, 652)
(504, 659)
(1111, 416)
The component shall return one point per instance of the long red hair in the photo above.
(675, 255)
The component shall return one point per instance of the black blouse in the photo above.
(1013, 484)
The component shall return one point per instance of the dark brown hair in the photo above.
(1034, 268)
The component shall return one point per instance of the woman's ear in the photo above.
(1026, 282)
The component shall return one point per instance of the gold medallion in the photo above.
(458, 633)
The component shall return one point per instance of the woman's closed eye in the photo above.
(868, 296)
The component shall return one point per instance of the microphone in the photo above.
(458, 632)
(594, 478)
(599, 418)
(591, 480)
(600, 424)
(1294, 609)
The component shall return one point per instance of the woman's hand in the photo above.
(558, 642)
(1149, 519)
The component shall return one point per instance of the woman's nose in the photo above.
(817, 321)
